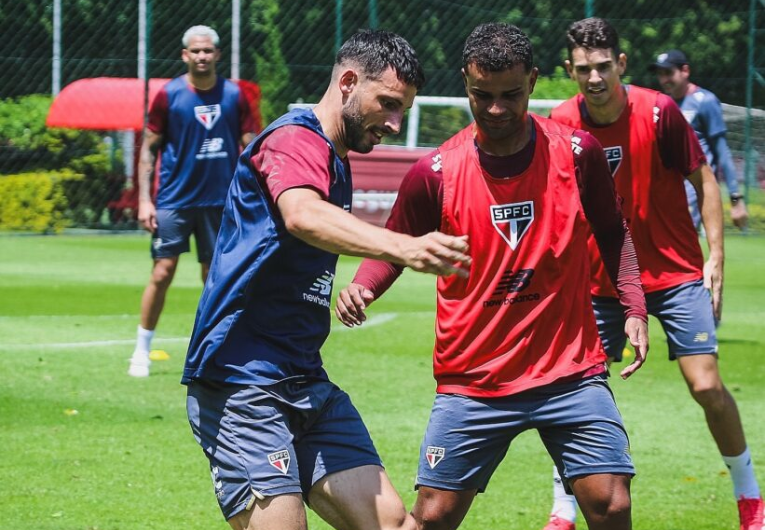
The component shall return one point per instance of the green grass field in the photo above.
(85, 447)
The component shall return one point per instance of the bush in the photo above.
(35, 202)
(30, 149)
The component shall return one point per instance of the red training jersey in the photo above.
(523, 318)
(653, 190)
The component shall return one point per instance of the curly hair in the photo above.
(496, 46)
(592, 33)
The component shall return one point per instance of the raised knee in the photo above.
(609, 510)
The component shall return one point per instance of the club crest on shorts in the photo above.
(434, 455)
(280, 460)
(512, 221)
(614, 156)
(207, 115)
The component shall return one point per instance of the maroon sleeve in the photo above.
(678, 144)
(248, 122)
(417, 211)
(603, 211)
(158, 113)
(293, 157)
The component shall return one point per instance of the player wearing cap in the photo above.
(703, 111)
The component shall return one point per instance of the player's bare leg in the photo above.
(438, 509)
(152, 303)
(604, 500)
(283, 512)
(153, 299)
(362, 497)
(702, 374)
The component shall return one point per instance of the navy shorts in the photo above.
(174, 229)
(684, 311)
(578, 422)
(276, 439)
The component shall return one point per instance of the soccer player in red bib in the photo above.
(652, 151)
(517, 346)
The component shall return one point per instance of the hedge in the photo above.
(35, 202)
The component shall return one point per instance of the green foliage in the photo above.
(34, 202)
(28, 146)
(556, 86)
(272, 71)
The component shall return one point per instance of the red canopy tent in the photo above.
(117, 104)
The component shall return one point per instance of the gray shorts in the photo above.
(578, 422)
(276, 439)
(685, 314)
(174, 229)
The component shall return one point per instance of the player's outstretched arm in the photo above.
(321, 224)
(636, 330)
(351, 303)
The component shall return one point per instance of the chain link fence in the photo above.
(54, 178)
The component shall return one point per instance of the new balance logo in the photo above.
(513, 282)
(207, 115)
(212, 148)
(436, 165)
(323, 284)
(512, 221)
(701, 336)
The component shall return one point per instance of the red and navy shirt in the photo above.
(651, 148)
(201, 132)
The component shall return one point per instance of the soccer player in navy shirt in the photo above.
(197, 121)
(703, 111)
(277, 432)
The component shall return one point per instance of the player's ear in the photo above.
(569, 69)
(348, 81)
(533, 79)
(621, 63)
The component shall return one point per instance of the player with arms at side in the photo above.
(703, 111)
(199, 121)
(652, 151)
(516, 346)
(276, 431)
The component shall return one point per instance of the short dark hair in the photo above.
(593, 33)
(496, 46)
(374, 51)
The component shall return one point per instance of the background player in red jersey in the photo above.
(526, 191)
(199, 121)
(652, 150)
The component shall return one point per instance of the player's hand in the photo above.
(438, 253)
(147, 216)
(351, 303)
(636, 330)
(713, 281)
(739, 215)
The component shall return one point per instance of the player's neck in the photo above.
(206, 82)
(610, 112)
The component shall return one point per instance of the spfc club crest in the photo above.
(207, 115)
(512, 221)
(280, 460)
(614, 157)
(434, 455)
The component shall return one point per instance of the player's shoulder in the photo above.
(295, 138)
(428, 164)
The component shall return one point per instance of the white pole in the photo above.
(235, 37)
(56, 73)
(142, 39)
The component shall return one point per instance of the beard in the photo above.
(353, 124)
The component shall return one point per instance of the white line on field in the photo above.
(375, 320)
